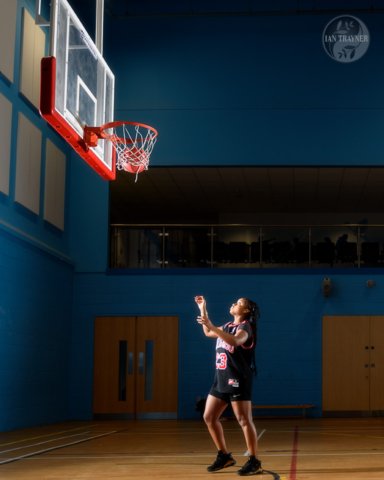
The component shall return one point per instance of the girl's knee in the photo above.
(208, 418)
(244, 420)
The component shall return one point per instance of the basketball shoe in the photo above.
(251, 467)
(223, 460)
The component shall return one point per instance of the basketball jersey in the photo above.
(234, 364)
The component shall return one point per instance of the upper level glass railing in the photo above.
(246, 246)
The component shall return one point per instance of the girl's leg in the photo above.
(243, 412)
(214, 408)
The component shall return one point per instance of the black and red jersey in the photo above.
(234, 364)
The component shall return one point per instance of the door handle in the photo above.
(141, 363)
(130, 363)
(145, 368)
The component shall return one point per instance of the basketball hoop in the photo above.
(132, 141)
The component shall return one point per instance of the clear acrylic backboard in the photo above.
(77, 87)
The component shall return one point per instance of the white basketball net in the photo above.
(133, 144)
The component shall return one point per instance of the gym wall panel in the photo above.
(5, 142)
(7, 37)
(33, 49)
(25, 140)
(28, 165)
(54, 191)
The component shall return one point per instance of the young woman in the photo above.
(235, 368)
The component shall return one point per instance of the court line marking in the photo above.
(335, 454)
(295, 449)
(45, 435)
(191, 455)
(45, 450)
(30, 445)
(246, 453)
(345, 434)
(261, 434)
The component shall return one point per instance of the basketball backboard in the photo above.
(77, 87)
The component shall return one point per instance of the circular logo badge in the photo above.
(346, 39)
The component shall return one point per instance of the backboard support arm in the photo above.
(99, 31)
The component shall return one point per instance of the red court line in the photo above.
(292, 473)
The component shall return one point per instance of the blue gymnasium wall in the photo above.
(203, 81)
(37, 267)
(249, 90)
(290, 340)
(35, 334)
(187, 77)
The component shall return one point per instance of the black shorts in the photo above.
(231, 397)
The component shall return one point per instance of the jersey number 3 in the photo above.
(221, 361)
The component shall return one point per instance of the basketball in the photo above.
(132, 168)
(135, 160)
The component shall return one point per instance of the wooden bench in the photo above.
(303, 407)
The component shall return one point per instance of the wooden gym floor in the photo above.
(290, 449)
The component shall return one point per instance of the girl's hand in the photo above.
(205, 322)
(200, 300)
(201, 303)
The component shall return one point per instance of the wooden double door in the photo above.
(135, 367)
(353, 364)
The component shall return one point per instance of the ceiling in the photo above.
(86, 9)
(232, 7)
(206, 194)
